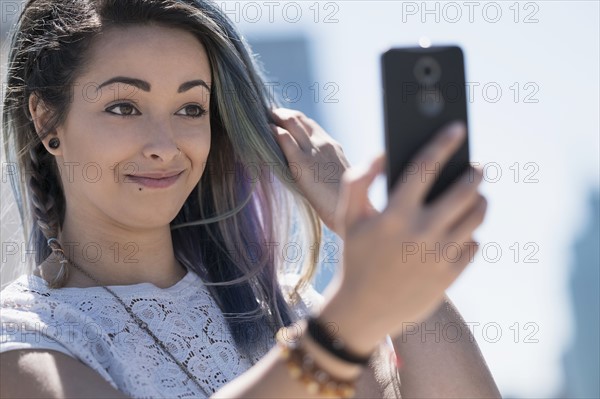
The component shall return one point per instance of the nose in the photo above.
(160, 142)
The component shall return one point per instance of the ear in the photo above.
(40, 115)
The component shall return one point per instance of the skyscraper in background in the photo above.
(582, 359)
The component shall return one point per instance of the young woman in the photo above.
(158, 183)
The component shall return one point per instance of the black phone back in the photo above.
(424, 89)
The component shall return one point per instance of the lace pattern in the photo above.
(88, 324)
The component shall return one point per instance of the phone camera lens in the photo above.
(427, 71)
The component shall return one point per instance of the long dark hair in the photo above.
(224, 214)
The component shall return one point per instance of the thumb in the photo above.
(354, 201)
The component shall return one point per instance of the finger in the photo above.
(414, 186)
(463, 230)
(287, 142)
(354, 201)
(456, 201)
(289, 120)
(310, 125)
(457, 259)
(465, 257)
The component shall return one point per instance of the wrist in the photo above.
(306, 362)
(325, 334)
(338, 368)
(352, 332)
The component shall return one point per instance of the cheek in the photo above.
(91, 138)
(98, 159)
(199, 143)
(198, 147)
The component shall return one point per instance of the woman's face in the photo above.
(135, 126)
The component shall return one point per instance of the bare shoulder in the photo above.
(42, 373)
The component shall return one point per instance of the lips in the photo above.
(154, 180)
(157, 175)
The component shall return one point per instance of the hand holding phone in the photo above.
(402, 250)
(390, 251)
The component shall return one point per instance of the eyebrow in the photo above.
(145, 86)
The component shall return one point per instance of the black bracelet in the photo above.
(333, 345)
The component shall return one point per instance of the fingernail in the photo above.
(456, 129)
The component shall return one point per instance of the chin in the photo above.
(151, 218)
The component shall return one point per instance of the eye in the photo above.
(194, 111)
(126, 109)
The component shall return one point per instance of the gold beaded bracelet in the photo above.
(302, 367)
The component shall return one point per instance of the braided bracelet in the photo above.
(333, 345)
(302, 367)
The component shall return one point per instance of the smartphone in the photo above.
(423, 90)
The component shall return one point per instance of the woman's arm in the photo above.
(442, 369)
(438, 363)
(49, 374)
(270, 378)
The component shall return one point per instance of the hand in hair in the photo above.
(318, 160)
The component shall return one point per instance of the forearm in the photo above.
(442, 359)
(270, 378)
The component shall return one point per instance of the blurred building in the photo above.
(581, 362)
(287, 64)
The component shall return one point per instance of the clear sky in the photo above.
(541, 133)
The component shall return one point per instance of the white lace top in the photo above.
(90, 325)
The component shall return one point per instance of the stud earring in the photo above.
(54, 142)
